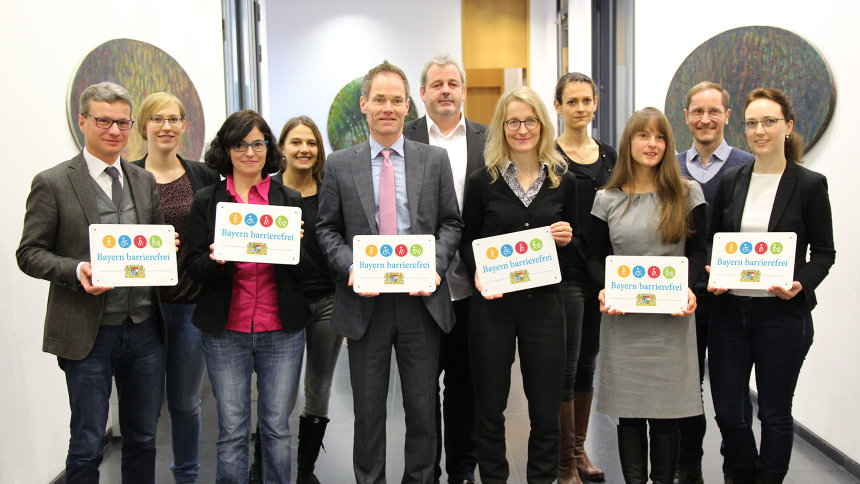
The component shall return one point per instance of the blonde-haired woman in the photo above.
(525, 185)
(649, 369)
(162, 124)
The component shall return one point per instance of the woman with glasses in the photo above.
(591, 161)
(161, 124)
(649, 368)
(525, 185)
(768, 330)
(252, 315)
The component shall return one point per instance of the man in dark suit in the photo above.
(363, 188)
(98, 332)
(707, 114)
(443, 91)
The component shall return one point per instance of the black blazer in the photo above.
(198, 173)
(476, 136)
(802, 206)
(213, 307)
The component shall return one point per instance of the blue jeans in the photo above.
(231, 357)
(184, 369)
(756, 333)
(134, 356)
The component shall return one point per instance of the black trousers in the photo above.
(531, 322)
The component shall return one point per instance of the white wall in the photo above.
(543, 52)
(826, 399)
(313, 52)
(43, 45)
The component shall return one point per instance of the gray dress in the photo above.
(648, 362)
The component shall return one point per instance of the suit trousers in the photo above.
(531, 322)
(402, 322)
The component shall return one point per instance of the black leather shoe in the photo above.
(462, 481)
(688, 475)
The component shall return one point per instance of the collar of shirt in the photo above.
(720, 154)
(258, 194)
(433, 130)
(376, 148)
(97, 167)
(510, 168)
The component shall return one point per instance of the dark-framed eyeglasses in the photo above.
(159, 120)
(259, 146)
(514, 124)
(106, 123)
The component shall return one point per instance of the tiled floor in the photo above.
(335, 463)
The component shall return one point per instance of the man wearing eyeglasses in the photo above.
(98, 332)
(707, 114)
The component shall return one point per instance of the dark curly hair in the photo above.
(234, 129)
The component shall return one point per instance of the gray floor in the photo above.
(335, 464)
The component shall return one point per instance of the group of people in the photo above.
(236, 318)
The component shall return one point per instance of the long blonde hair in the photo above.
(672, 190)
(497, 151)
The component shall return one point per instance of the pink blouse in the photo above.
(254, 304)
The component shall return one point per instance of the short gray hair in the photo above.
(105, 92)
(441, 61)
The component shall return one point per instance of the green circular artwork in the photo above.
(143, 69)
(347, 125)
(745, 58)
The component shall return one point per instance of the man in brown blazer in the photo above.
(98, 333)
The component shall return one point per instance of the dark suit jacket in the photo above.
(347, 209)
(198, 173)
(213, 307)
(476, 136)
(802, 206)
(61, 206)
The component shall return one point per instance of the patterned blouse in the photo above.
(509, 173)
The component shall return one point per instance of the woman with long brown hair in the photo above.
(649, 364)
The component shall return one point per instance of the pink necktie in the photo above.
(387, 198)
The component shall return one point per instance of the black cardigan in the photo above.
(198, 173)
(213, 307)
(492, 208)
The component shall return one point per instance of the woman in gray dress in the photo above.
(648, 362)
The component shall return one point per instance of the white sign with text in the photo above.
(646, 284)
(516, 261)
(752, 260)
(394, 263)
(269, 234)
(125, 255)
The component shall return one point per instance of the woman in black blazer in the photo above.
(770, 330)
(525, 185)
(252, 315)
(162, 123)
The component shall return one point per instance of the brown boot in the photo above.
(582, 410)
(567, 473)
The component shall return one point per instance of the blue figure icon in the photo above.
(386, 250)
(638, 272)
(746, 248)
(507, 250)
(250, 219)
(124, 241)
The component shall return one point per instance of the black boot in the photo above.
(255, 473)
(762, 477)
(734, 476)
(664, 457)
(311, 432)
(633, 451)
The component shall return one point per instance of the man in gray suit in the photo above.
(443, 91)
(358, 197)
(98, 332)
